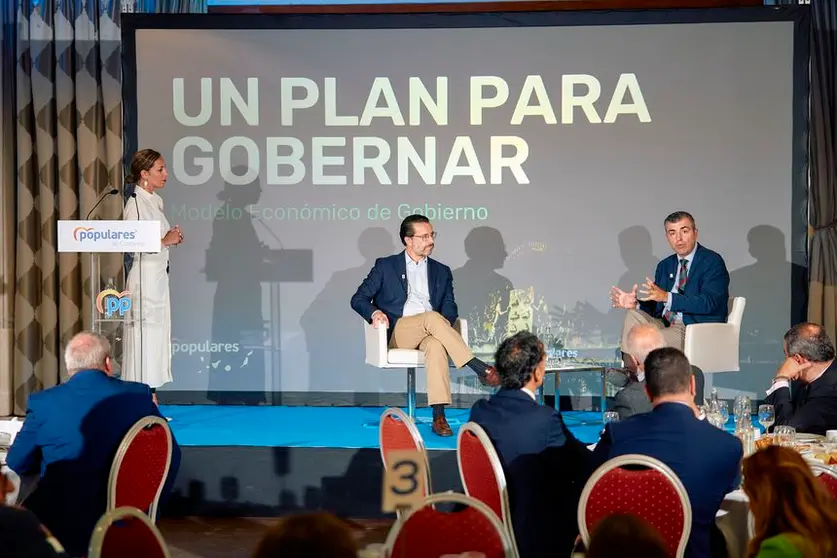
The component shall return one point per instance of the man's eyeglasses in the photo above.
(426, 237)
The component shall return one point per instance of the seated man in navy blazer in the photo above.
(812, 407)
(691, 286)
(412, 296)
(546, 467)
(69, 439)
(706, 459)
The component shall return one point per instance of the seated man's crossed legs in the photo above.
(431, 333)
(674, 334)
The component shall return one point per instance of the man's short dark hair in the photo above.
(407, 226)
(810, 341)
(667, 372)
(516, 359)
(679, 216)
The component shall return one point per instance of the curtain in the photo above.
(165, 6)
(62, 108)
(7, 202)
(822, 299)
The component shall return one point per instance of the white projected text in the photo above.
(291, 157)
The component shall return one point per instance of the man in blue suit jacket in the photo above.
(546, 467)
(412, 296)
(69, 440)
(691, 286)
(707, 460)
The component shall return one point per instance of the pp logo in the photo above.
(111, 302)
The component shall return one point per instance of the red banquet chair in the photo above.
(397, 432)
(641, 486)
(827, 476)
(427, 532)
(126, 532)
(141, 466)
(482, 473)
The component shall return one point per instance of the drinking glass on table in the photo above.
(723, 410)
(611, 416)
(767, 416)
(741, 407)
(784, 435)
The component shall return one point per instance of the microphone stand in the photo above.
(93, 280)
(111, 192)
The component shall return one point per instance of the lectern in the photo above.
(109, 301)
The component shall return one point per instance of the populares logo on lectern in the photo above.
(111, 302)
(80, 234)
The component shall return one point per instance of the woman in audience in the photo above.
(626, 536)
(794, 514)
(308, 535)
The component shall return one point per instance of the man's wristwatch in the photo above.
(780, 378)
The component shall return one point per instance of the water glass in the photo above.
(741, 407)
(785, 435)
(723, 410)
(715, 420)
(767, 416)
(611, 416)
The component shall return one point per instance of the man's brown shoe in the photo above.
(491, 378)
(441, 427)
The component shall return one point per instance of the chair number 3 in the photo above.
(407, 471)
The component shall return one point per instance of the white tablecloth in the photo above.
(734, 521)
(11, 498)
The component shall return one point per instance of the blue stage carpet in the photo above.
(316, 427)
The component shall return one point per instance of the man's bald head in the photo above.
(87, 351)
(642, 339)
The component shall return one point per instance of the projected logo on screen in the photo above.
(111, 302)
(81, 234)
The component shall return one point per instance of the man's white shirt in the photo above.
(418, 289)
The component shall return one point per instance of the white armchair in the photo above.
(714, 347)
(379, 354)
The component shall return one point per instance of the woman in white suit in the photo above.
(147, 357)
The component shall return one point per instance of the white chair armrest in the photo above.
(376, 344)
(712, 347)
(377, 349)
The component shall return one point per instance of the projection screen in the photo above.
(546, 149)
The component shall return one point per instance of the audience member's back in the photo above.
(21, 533)
(626, 536)
(69, 439)
(307, 535)
(545, 465)
(706, 459)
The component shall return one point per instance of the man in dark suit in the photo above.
(691, 286)
(412, 296)
(812, 407)
(632, 399)
(707, 460)
(545, 465)
(70, 437)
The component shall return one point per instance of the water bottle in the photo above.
(744, 432)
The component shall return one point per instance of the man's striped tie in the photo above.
(681, 282)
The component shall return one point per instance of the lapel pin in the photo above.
(671, 275)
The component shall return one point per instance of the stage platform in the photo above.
(268, 460)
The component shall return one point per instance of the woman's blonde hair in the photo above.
(786, 497)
